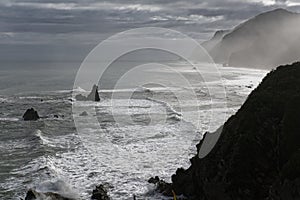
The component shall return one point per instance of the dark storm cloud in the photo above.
(87, 22)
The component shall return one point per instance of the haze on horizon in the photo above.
(65, 31)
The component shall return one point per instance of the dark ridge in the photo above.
(264, 41)
(258, 153)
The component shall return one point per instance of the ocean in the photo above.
(152, 133)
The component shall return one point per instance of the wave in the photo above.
(12, 119)
(57, 189)
(171, 111)
(43, 139)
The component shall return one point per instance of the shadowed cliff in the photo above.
(258, 153)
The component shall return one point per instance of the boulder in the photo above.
(100, 193)
(30, 115)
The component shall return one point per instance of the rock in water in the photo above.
(100, 193)
(94, 95)
(31, 115)
(84, 113)
(258, 153)
(162, 186)
(30, 195)
(80, 97)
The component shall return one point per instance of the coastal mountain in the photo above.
(258, 153)
(265, 41)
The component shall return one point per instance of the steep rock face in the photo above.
(258, 153)
(265, 41)
(94, 95)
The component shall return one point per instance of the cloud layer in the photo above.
(87, 22)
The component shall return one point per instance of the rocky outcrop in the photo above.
(161, 186)
(30, 195)
(100, 193)
(30, 115)
(258, 153)
(265, 41)
(93, 95)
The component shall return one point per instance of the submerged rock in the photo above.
(100, 193)
(258, 153)
(84, 113)
(93, 96)
(30, 115)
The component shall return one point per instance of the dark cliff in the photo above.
(258, 153)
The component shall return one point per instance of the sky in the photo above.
(66, 30)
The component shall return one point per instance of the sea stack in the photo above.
(93, 96)
(31, 115)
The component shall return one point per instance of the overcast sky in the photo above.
(68, 29)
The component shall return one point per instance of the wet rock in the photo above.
(100, 193)
(162, 186)
(153, 180)
(30, 195)
(30, 115)
(55, 116)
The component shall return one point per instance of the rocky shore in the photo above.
(258, 153)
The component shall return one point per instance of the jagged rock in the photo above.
(153, 180)
(258, 153)
(162, 186)
(30, 195)
(100, 193)
(30, 115)
(93, 96)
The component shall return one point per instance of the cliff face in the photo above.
(258, 153)
(265, 41)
